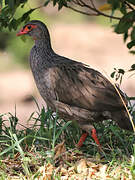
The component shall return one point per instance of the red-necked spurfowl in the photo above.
(73, 88)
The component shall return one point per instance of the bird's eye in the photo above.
(29, 27)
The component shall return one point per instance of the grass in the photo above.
(49, 143)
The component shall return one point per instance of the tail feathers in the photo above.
(123, 120)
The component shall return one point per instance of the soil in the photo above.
(92, 44)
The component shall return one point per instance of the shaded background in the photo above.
(87, 39)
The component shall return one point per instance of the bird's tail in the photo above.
(123, 120)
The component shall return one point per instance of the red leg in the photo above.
(94, 135)
(82, 139)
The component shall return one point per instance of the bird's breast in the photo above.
(43, 81)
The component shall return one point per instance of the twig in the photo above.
(83, 4)
(124, 1)
(82, 12)
(93, 4)
(98, 13)
(118, 91)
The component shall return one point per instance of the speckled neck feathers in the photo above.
(44, 41)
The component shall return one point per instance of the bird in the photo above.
(73, 89)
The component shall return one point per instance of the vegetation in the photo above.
(46, 149)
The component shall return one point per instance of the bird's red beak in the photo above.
(26, 29)
(21, 32)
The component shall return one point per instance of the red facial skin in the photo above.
(26, 29)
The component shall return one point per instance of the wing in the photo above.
(80, 86)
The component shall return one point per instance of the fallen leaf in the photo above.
(59, 150)
(71, 170)
(81, 166)
(47, 171)
(64, 171)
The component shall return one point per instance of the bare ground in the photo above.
(90, 43)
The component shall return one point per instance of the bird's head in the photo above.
(34, 28)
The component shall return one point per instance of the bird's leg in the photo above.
(94, 136)
(82, 139)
